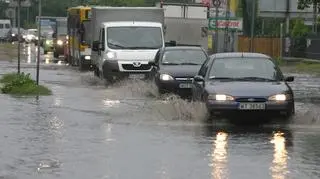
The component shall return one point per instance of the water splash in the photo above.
(173, 107)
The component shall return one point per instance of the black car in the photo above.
(176, 66)
(13, 36)
(232, 84)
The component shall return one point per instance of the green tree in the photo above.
(302, 4)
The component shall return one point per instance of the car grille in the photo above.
(184, 79)
(251, 100)
(131, 67)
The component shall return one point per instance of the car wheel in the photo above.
(161, 91)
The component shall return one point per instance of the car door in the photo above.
(102, 49)
(198, 87)
(156, 68)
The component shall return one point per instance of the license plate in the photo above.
(252, 106)
(185, 85)
(136, 76)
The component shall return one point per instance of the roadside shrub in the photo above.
(22, 84)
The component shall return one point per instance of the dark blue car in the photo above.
(232, 84)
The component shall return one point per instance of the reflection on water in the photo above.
(28, 54)
(279, 164)
(219, 156)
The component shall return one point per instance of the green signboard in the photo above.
(234, 24)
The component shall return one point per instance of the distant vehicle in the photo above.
(31, 35)
(232, 84)
(48, 45)
(60, 37)
(5, 26)
(176, 67)
(79, 49)
(12, 35)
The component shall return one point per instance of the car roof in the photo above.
(239, 55)
(182, 48)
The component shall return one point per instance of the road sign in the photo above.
(234, 24)
(216, 3)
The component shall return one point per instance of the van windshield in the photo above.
(134, 37)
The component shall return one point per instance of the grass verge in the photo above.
(22, 84)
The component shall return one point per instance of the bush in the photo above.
(22, 84)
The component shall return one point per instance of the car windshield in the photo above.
(134, 37)
(184, 57)
(245, 69)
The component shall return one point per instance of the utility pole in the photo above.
(252, 24)
(216, 4)
(39, 35)
(226, 30)
(19, 7)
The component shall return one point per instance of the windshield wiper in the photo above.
(221, 78)
(256, 79)
(168, 63)
(142, 47)
(116, 45)
(189, 63)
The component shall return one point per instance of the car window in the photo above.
(156, 58)
(245, 67)
(204, 68)
(184, 56)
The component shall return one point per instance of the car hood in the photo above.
(247, 88)
(180, 70)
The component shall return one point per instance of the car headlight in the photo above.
(111, 55)
(220, 97)
(166, 77)
(87, 57)
(13, 35)
(59, 42)
(278, 97)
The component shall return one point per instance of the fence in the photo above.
(266, 45)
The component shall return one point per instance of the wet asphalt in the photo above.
(126, 131)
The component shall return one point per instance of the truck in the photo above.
(186, 23)
(124, 40)
(60, 37)
(79, 50)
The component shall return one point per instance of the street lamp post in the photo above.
(19, 7)
(39, 35)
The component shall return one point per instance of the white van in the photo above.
(5, 26)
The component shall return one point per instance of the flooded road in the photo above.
(126, 131)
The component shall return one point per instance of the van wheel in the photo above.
(96, 72)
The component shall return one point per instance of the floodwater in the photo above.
(126, 131)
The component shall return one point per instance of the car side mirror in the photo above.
(289, 79)
(198, 78)
(95, 46)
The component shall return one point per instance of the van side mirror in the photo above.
(289, 79)
(198, 78)
(95, 46)
(153, 63)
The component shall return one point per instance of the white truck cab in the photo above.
(125, 48)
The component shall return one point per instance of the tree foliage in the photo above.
(302, 4)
